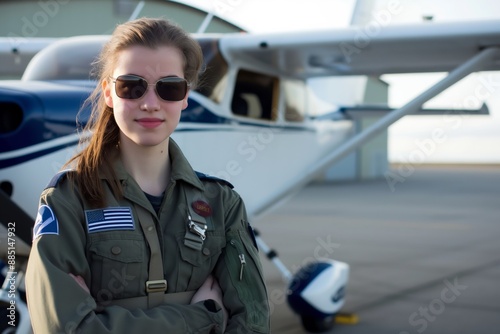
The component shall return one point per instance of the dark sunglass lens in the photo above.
(172, 89)
(129, 87)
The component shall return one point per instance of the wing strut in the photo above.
(474, 64)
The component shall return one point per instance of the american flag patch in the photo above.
(109, 219)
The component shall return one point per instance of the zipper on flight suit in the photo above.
(241, 257)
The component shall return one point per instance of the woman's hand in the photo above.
(210, 289)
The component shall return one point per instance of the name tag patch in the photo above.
(109, 219)
(45, 223)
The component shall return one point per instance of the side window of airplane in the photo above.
(256, 96)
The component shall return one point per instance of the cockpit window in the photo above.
(255, 95)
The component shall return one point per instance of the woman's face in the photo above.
(148, 120)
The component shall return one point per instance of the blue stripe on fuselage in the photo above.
(4, 163)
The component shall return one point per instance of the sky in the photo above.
(468, 139)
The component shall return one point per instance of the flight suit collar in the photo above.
(181, 168)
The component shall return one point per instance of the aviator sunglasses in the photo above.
(133, 87)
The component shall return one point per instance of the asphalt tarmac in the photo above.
(424, 252)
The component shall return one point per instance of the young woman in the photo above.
(131, 238)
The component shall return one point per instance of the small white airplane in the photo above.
(249, 123)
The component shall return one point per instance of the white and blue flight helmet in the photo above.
(317, 292)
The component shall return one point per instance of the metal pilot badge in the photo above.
(195, 234)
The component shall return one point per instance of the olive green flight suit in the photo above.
(114, 261)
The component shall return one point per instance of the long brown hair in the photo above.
(147, 32)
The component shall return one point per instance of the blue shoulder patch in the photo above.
(58, 178)
(205, 177)
(45, 223)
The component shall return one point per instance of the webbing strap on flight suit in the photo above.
(197, 224)
(183, 298)
(156, 284)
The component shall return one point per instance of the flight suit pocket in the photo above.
(196, 265)
(118, 268)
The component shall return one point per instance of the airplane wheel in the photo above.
(318, 325)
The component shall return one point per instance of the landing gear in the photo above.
(316, 292)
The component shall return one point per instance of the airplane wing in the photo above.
(369, 50)
(373, 49)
